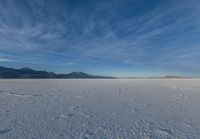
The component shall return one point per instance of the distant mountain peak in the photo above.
(25, 68)
(77, 72)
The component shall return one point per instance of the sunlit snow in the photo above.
(99, 108)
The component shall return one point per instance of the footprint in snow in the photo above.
(164, 133)
(3, 131)
(134, 109)
(147, 104)
(62, 116)
(86, 115)
(21, 95)
(73, 108)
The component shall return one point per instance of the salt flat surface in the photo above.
(102, 109)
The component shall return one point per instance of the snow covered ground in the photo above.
(99, 108)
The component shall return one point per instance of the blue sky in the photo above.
(106, 37)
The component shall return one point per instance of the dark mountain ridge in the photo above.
(30, 73)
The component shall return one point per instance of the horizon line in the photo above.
(169, 76)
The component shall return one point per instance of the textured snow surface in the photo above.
(102, 109)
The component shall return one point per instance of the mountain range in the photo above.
(7, 73)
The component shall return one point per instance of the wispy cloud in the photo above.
(6, 60)
(121, 32)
